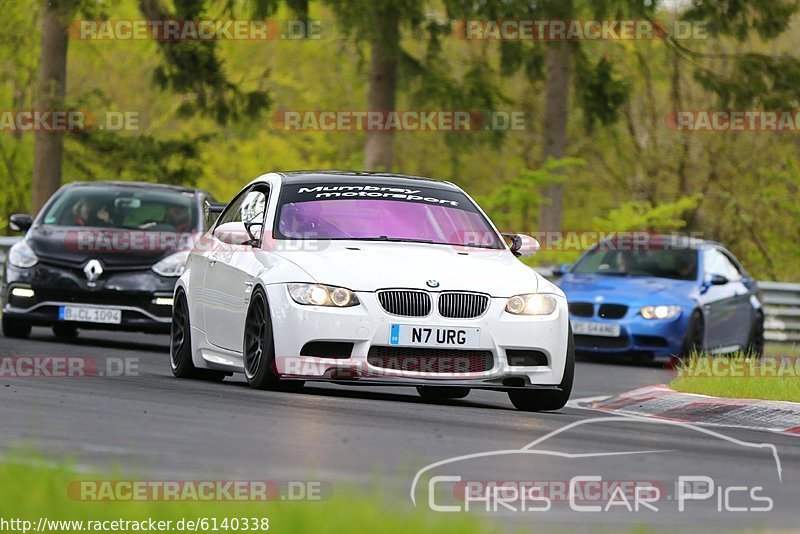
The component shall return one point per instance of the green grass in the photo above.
(738, 376)
(29, 491)
(782, 349)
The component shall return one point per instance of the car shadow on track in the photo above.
(407, 395)
(624, 359)
(128, 341)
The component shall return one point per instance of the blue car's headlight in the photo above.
(660, 312)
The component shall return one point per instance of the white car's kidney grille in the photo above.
(405, 302)
(459, 305)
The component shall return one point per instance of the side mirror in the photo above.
(20, 222)
(521, 245)
(232, 233)
(561, 270)
(718, 280)
(213, 209)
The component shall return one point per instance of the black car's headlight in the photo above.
(322, 295)
(660, 312)
(172, 265)
(21, 255)
(531, 304)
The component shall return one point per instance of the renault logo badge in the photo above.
(93, 269)
(432, 283)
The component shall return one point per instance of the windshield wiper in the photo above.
(393, 239)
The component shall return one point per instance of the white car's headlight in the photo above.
(321, 295)
(531, 304)
(172, 265)
(660, 312)
(21, 255)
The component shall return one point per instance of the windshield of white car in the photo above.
(383, 212)
(661, 263)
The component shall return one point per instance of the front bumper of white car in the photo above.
(353, 345)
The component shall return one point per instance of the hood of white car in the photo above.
(369, 266)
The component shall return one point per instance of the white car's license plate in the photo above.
(595, 329)
(88, 314)
(434, 336)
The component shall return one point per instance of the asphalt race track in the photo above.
(149, 424)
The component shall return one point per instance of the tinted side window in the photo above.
(248, 207)
(715, 262)
(254, 207)
(231, 213)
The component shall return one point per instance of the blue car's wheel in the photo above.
(755, 344)
(695, 335)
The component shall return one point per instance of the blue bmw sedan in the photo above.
(665, 297)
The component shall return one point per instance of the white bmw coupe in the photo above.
(370, 278)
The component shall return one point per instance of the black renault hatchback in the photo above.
(101, 255)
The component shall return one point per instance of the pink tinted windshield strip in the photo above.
(390, 219)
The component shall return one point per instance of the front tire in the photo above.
(546, 400)
(441, 393)
(695, 336)
(65, 331)
(180, 345)
(259, 348)
(16, 328)
(755, 344)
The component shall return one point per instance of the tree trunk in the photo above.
(49, 146)
(379, 148)
(556, 113)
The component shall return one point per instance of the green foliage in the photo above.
(600, 93)
(511, 204)
(33, 489)
(644, 216)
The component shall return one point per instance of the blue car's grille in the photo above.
(600, 342)
(612, 311)
(581, 309)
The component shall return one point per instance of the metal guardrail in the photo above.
(781, 302)
(782, 311)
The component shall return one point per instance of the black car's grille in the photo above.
(581, 309)
(111, 298)
(405, 302)
(601, 342)
(415, 359)
(458, 305)
(612, 311)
